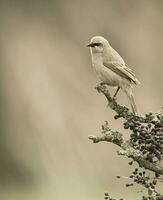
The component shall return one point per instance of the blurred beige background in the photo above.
(48, 102)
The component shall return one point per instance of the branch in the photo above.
(126, 149)
(121, 111)
(146, 141)
(145, 145)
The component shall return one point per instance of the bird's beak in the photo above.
(90, 45)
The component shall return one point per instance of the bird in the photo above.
(111, 69)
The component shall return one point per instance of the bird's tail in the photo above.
(130, 96)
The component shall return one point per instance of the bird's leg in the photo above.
(102, 83)
(116, 92)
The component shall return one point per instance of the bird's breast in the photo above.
(106, 75)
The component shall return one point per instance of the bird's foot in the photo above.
(102, 84)
(114, 96)
(101, 87)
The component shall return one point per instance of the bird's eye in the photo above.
(97, 44)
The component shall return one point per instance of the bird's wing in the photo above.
(122, 71)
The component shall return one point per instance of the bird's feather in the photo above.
(122, 71)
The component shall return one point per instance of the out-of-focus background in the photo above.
(48, 102)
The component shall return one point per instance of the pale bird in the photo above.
(111, 68)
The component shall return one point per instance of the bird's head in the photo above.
(98, 44)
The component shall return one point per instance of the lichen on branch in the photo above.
(145, 145)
